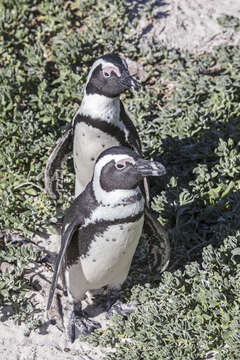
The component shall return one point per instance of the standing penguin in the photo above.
(100, 123)
(101, 230)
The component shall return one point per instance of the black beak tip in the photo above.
(159, 171)
(150, 168)
(135, 85)
(163, 171)
(129, 82)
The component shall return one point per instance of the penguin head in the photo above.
(109, 76)
(120, 168)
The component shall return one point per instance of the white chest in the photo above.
(107, 262)
(88, 144)
(100, 107)
(90, 141)
(110, 255)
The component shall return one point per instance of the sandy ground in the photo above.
(50, 341)
(190, 24)
(52, 345)
(184, 24)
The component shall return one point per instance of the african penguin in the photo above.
(100, 123)
(101, 230)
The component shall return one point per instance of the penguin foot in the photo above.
(120, 308)
(80, 324)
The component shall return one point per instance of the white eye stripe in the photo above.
(107, 70)
(104, 65)
(118, 158)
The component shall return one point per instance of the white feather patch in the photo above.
(88, 144)
(100, 107)
(107, 262)
(110, 254)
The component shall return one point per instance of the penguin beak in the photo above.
(150, 168)
(128, 81)
(135, 85)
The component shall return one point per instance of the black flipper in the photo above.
(66, 239)
(159, 248)
(63, 147)
(135, 142)
(133, 137)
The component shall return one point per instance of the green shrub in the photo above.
(188, 116)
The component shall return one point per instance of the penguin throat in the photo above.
(137, 197)
(118, 197)
(100, 107)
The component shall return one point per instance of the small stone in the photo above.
(27, 332)
(5, 266)
(36, 285)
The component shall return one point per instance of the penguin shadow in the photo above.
(157, 13)
(194, 221)
(155, 6)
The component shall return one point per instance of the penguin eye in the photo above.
(106, 74)
(109, 70)
(120, 166)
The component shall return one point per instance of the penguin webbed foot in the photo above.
(80, 324)
(120, 308)
(114, 306)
